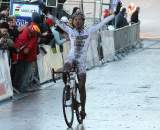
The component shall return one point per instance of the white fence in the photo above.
(6, 89)
(111, 42)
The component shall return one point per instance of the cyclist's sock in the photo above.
(83, 114)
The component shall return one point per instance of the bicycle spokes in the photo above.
(67, 106)
(78, 105)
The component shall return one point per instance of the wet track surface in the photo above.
(121, 95)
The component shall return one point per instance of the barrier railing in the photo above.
(92, 54)
(122, 38)
(108, 45)
(105, 41)
(111, 42)
(126, 37)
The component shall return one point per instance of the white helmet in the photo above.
(64, 19)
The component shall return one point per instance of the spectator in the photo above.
(55, 33)
(106, 13)
(5, 41)
(13, 29)
(134, 16)
(117, 10)
(46, 33)
(13, 33)
(118, 7)
(75, 9)
(110, 24)
(4, 15)
(26, 43)
(57, 36)
(120, 20)
(65, 20)
(131, 8)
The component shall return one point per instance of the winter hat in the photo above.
(36, 18)
(49, 22)
(106, 13)
(64, 19)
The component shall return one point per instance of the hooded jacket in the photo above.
(28, 38)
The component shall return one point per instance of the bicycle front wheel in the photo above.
(78, 105)
(68, 111)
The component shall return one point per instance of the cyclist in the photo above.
(80, 39)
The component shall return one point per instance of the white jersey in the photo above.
(80, 40)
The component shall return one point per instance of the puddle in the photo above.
(138, 91)
(154, 97)
(145, 86)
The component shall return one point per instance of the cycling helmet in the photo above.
(36, 18)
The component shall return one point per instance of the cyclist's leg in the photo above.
(67, 67)
(82, 88)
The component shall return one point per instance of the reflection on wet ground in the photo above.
(78, 127)
(125, 96)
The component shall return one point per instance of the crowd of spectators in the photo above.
(23, 44)
(123, 16)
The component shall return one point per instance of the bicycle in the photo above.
(71, 96)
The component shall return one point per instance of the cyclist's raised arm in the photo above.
(102, 23)
(63, 26)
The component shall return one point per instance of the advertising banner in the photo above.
(6, 89)
(48, 61)
(23, 12)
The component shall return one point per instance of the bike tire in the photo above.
(78, 104)
(68, 121)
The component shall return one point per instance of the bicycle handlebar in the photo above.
(60, 72)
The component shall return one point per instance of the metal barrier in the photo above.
(122, 38)
(108, 45)
(92, 53)
(111, 42)
(119, 41)
(134, 34)
(126, 37)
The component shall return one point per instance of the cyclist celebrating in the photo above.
(80, 40)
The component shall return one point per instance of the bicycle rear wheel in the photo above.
(77, 104)
(67, 106)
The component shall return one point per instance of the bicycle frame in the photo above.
(70, 80)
